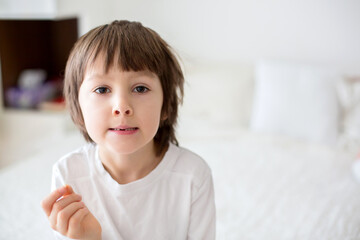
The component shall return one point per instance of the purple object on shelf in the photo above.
(30, 98)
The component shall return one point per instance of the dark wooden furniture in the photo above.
(31, 43)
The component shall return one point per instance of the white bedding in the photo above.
(275, 188)
(267, 187)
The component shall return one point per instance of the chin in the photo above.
(126, 148)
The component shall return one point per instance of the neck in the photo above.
(126, 168)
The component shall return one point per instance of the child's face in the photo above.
(121, 110)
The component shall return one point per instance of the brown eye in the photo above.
(102, 90)
(141, 89)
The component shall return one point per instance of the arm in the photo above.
(202, 216)
(69, 216)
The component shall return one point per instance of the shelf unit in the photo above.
(34, 44)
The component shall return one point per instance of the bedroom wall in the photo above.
(16, 8)
(320, 32)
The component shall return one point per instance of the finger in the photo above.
(49, 201)
(75, 227)
(61, 204)
(69, 190)
(65, 214)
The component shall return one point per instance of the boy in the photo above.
(123, 85)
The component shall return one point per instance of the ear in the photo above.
(164, 116)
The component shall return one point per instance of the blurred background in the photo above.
(272, 102)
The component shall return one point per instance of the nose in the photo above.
(122, 108)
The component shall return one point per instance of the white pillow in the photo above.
(296, 100)
(219, 95)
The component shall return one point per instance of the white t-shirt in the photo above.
(174, 201)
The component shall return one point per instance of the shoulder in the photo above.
(190, 164)
(76, 163)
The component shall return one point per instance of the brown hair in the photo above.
(133, 47)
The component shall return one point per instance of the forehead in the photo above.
(98, 69)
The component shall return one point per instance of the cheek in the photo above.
(151, 111)
(154, 114)
(93, 114)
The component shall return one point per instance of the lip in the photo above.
(124, 130)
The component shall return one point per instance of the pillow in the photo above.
(296, 100)
(218, 94)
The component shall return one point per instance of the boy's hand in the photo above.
(69, 216)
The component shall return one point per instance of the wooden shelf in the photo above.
(34, 44)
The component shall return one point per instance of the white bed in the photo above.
(267, 186)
